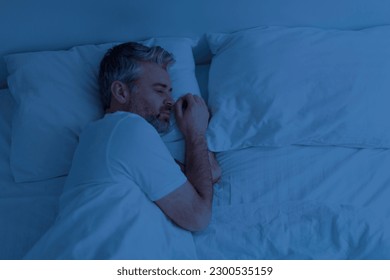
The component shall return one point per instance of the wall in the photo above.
(27, 25)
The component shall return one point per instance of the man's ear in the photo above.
(120, 91)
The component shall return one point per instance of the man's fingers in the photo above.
(190, 98)
(179, 108)
(198, 98)
(189, 101)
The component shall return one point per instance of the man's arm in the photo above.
(215, 168)
(189, 206)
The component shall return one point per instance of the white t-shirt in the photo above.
(107, 211)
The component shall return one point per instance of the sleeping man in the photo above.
(136, 92)
(125, 196)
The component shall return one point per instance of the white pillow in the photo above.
(277, 86)
(57, 95)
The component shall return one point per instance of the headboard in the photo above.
(51, 25)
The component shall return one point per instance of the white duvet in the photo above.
(112, 223)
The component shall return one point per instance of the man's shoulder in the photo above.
(123, 123)
(121, 120)
(121, 116)
(130, 126)
(130, 121)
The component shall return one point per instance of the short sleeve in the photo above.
(137, 153)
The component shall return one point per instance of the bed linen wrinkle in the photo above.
(329, 173)
(116, 222)
(335, 205)
(111, 235)
(295, 230)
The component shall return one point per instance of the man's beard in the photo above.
(160, 125)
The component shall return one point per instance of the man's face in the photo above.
(152, 98)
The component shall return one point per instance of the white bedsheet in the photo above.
(300, 203)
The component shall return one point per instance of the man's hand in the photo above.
(192, 116)
(215, 168)
(190, 205)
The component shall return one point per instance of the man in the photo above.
(125, 197)
(133, 78)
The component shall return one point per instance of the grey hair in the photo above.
(123, 63)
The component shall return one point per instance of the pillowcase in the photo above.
(57, 95)
(278, 86)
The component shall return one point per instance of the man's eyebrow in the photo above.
(162, 85)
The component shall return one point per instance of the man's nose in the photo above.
(169, 102)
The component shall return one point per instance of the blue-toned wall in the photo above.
(27, 25)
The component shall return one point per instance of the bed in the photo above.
(298, 94)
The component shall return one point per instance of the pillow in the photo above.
(278, 86)
(57, 95)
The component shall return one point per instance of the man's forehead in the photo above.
(155, 73)
(153, 67)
